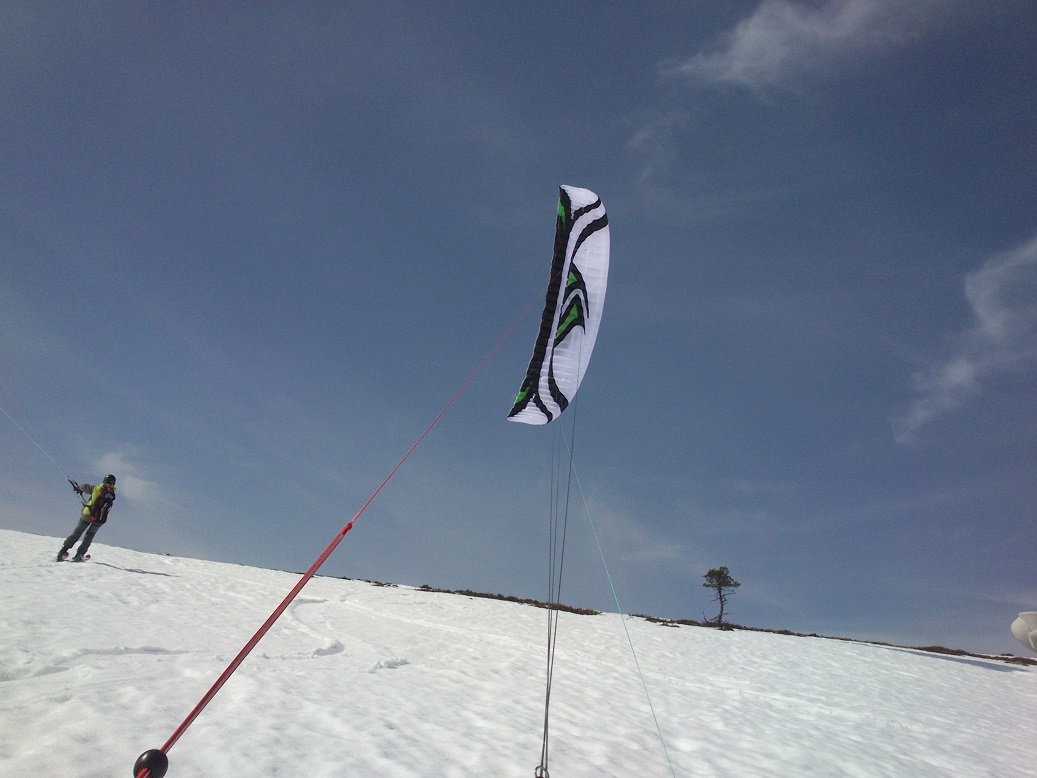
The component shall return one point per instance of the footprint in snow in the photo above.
(387, 664)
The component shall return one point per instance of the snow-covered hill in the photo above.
(103, 660)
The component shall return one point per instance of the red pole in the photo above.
(146, 772)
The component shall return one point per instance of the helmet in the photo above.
(109, 479)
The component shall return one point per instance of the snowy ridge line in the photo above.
(484, 595)
(1010, 658)
(509, 598)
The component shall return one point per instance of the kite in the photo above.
(1025, 629)
(575, 294)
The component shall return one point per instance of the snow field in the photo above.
(103, 660)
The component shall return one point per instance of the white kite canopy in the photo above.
(575, 295)
(1025, 629)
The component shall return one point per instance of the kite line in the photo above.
(43, 450)
(33, 440)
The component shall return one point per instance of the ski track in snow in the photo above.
(101, 661)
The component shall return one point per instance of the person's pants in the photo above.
(90, 527)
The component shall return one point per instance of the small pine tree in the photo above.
(720, 580)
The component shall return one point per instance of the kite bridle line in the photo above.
(555, 585)
(556, 543)
(619, 608)
(309, 574)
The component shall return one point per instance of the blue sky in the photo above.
(249, 255)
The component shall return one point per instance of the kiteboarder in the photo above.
(94, 514)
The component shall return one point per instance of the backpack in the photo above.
(101, 504)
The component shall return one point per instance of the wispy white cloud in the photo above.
(628, 539)
(126, 467)
(782, 44)
(783, 40)
(1002, 337)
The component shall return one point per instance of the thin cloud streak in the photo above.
(1003, 337)
(783, 40)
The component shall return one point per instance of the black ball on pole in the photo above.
(155, 761)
